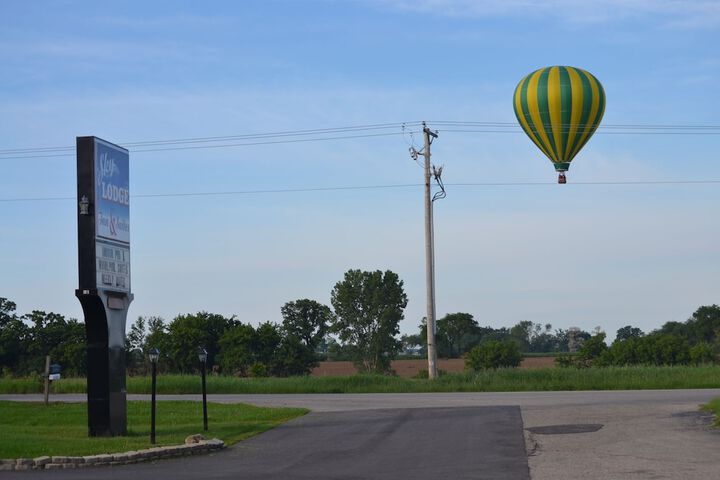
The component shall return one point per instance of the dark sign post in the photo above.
(104, 272)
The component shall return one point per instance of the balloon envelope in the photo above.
(559, 108)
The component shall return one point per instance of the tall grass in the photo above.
(501, 380)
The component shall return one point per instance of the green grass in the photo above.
(548, 354)
(714, 406)
(502, 380)
(32, 429)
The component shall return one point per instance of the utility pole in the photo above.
(429, 258)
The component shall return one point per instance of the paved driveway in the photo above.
(423, 444)
(652, 434)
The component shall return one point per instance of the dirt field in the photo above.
(410, 368)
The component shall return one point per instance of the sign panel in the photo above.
(112, 192)
(104, 288)
(113, 266)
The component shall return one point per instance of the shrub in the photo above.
(702, 353)
(564, 361)
(258, 369)
(663, 349)
(624, 352)
(593, 351)
(493, 354)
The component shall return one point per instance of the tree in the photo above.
(135, 338)
(414, 344)
(628, 332)
(307, 320)
(592, 349)
(7, 311)
(521, 332)
(188, 332)
(134, 341)
(493, 354)
(369, 307)
(14, 337)
(543, 340)
(664, 349)
(305, 323)
(456, 333)
(237, 349)
(157, 337)
(337, 352)
(702, 353)
(675, 328)
(51, 334)
(293, 357)
(704, 325)
(267, 339)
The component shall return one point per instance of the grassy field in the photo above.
(32, 429)
(502, 380)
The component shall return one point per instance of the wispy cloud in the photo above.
(676, 13)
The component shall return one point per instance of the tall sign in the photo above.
(103, 192)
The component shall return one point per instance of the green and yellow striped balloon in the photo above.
(559, 108)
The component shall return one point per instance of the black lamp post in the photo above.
(154, 355)
(202, 356)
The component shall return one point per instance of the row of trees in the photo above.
(695, 341)
(368, 308)
(458, 333)
(26, 340)
(233, 347)
(363, 325)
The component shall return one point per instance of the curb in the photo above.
(111, 459)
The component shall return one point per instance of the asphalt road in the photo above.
(651, 434)
(418, 444)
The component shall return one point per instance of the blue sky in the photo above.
(579, 255)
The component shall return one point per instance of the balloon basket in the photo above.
(561, 178)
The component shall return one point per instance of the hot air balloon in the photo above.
(559, 108)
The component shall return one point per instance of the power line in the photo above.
(197, 147)
(324, 134)
(375, 187)
(289, 133)
(231, 192)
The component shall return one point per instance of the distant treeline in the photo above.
(363, 326)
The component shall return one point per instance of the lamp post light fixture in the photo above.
(202, 356)
(154, 355)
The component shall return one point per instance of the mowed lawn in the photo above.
(30, 430)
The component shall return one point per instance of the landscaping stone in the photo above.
(191, 439)
(194, 444)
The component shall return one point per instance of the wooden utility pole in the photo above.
(429, 258)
